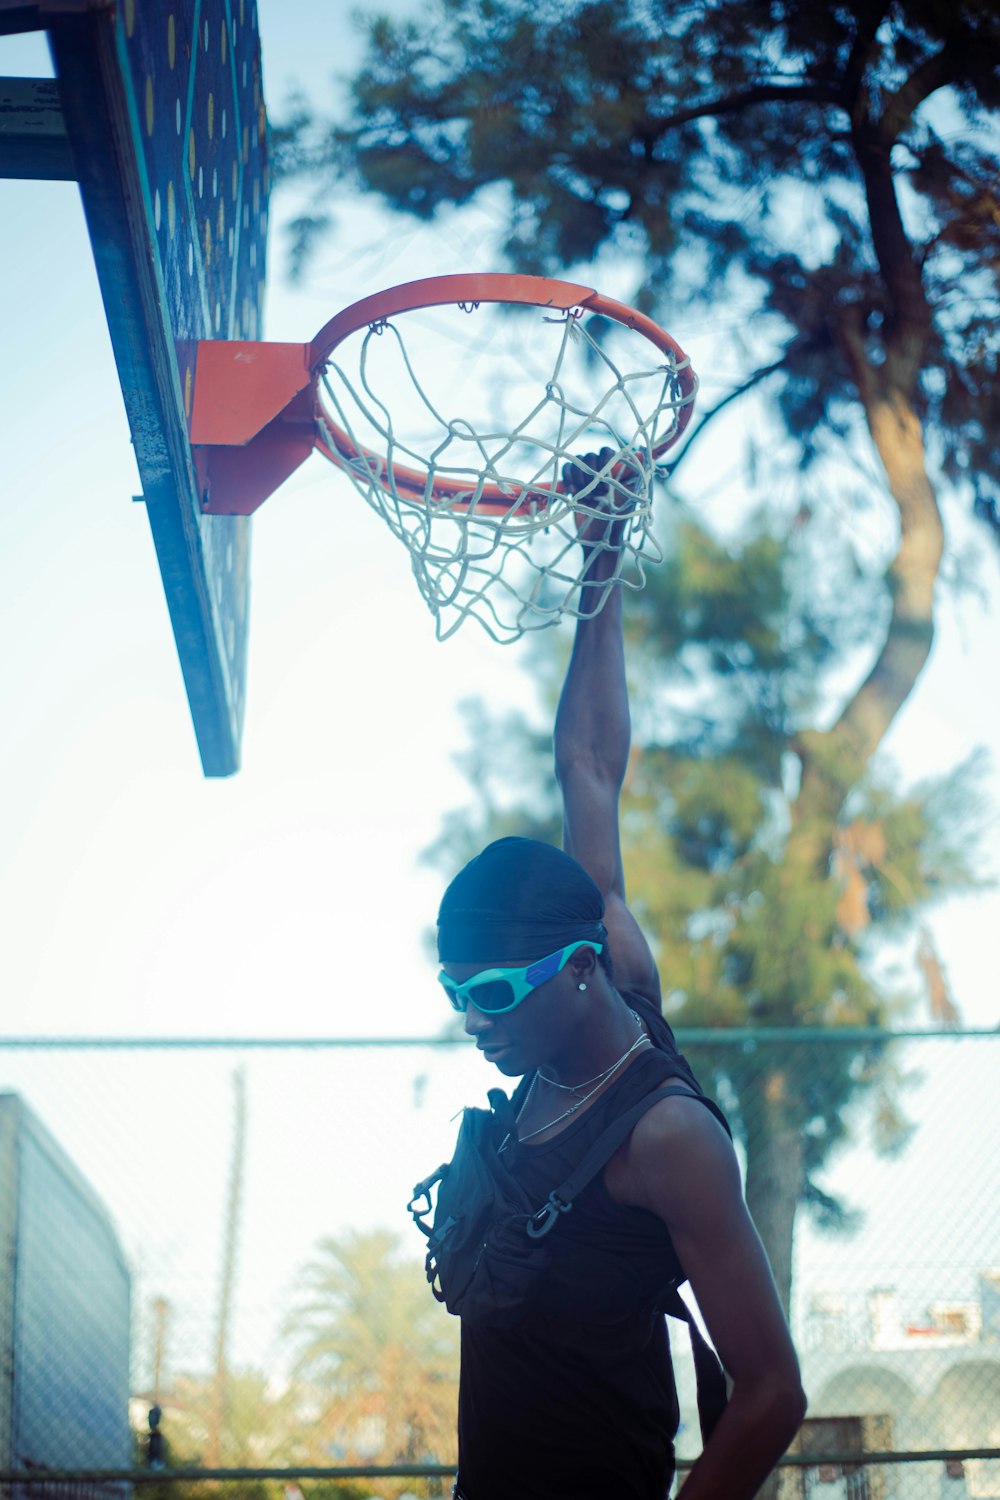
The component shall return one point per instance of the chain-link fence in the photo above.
(206, 1261)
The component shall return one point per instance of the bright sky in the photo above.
(138, 898)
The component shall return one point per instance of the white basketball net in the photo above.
(513, 563)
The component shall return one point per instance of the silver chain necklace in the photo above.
(598, 1078)
(642, 1037)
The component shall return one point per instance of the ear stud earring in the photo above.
(581, 986)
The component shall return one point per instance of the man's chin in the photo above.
(505, 1059)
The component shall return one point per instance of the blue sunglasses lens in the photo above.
(492, 995)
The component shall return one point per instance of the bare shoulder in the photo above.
(681, 1117)
(678, 1132)
(678, 1158)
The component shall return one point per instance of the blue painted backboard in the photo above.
(164, 111)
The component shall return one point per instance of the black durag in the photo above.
(518, 901)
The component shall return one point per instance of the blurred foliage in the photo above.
(373, 1380)
(257, 1428)
(830, 171)
(827, 178)
(730, 652)
(376, 1356)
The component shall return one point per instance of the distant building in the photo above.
(64, 1316)
(930, 1375)
(885, 1373)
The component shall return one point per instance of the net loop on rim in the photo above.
(482, 504)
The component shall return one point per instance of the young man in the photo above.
(577, 1400)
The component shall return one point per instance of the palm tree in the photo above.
(378, 1355)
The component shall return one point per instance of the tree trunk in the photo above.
(911, 578)
(895, 430)
(775, 1175)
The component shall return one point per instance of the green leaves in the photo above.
(826, 176)
(375, 1350)
(765, 903)
(789, 156)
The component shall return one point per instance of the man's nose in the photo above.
(476, 1021)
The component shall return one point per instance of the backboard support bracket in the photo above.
(253, 421)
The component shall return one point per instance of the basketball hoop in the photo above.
(478, 499)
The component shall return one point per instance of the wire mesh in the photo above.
(250, 1199)
(462, 457)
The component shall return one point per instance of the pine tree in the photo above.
(829, 176)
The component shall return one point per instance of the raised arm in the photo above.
(592, 737)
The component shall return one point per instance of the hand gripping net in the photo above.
(481, 503)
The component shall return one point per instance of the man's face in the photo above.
(527, 1037)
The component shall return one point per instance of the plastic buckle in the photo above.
(547, 1216)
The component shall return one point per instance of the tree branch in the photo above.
(861, 47)
(764, 93)
(933, 73)
(740, 390)
(909, 323)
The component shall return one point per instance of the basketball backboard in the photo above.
(159, 115)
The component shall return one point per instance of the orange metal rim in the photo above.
(471, 288)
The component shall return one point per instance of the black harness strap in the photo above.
(562, 1198)
(709, 1376)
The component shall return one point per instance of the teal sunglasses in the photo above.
(495, 991)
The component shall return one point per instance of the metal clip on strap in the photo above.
(423, 1191)
(546, 1217)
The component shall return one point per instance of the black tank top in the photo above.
(578, 1401)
